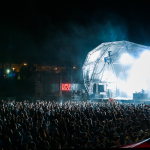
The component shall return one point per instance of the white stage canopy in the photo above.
(112, 69)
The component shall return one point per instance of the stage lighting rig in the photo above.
(108, 59)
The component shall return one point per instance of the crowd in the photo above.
(85, 125)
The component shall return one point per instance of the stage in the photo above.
(122, 100)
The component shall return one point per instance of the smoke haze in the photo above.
(138, 76)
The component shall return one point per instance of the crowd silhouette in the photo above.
(84, 125)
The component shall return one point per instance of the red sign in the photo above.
(65, 86)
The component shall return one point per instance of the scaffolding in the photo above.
(102, 64)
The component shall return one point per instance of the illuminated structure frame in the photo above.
(102, 64)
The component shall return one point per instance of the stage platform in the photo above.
(122, 100)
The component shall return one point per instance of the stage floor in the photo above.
(123, 100)
(117, 98)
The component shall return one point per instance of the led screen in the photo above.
(66, 86)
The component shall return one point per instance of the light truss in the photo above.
(96, 70)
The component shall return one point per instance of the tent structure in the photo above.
(103, 67)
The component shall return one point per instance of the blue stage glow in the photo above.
(11, 74)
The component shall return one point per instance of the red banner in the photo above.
(66, 86)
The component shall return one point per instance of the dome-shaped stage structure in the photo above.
(104, 68)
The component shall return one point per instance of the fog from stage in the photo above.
(126, 70)
(138, 76)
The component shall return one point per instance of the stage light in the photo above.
(126, 59)
(8, 71)
(138, 76)
(66, 86)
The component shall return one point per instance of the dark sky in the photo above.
(39, 30)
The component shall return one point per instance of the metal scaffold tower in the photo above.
(103, 65)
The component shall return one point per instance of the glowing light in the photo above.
(55, 68)
(74, 67)
(13, 69)
(4, 75)
(8, 71)
(66, 87)
(25, 64)
(138, 76)
(126, 59)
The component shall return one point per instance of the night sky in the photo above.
(34, 31)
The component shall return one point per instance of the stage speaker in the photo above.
(109, 93)
(101, 96)
(100, 88)
(94, 88)
(140, 96)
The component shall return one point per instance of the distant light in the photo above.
(65, 86)
(13, 69)
(25, 64)
(18, 77)
(4, 75)
(74, 67)
(8, 71)
(55, 68)
(126, 59)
